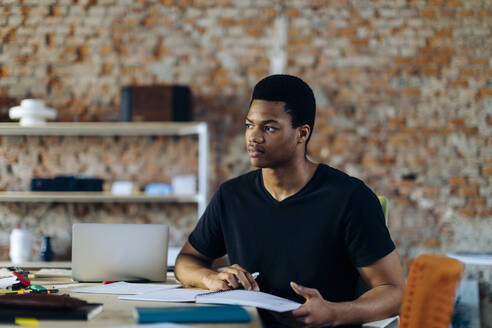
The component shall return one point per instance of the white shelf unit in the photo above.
(115, 129)
(92, 197)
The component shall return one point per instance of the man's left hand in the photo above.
(315, 312)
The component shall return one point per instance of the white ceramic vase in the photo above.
(20, 246)
(32, 112)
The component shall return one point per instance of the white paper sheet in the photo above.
(47, 273)
(60, 286)
(124, 288)
(385, 323)
(173, 295)
(7, 282)
(249, 298)
(239, 297)
(5, 273)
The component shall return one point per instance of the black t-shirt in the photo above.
(316, 237)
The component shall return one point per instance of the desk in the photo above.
(118, 312)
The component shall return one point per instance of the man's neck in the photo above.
(282, 182)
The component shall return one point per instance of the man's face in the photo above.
(270, 139)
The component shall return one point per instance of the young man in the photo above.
(308, 229)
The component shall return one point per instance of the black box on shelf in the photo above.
(156, 103)
(67, 183)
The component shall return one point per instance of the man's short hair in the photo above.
(294, 92)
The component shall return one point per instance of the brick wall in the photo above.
(404, 88)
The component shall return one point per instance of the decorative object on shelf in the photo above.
(158, 189)
(184, 184)
(20, 246)
(156, 103)
(67, 183)
(32, 112)
(46, 252)
(123, 188)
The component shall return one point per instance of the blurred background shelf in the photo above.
(116, 129)
(105, 128)
(93, 197)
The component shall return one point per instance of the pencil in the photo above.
(20, 291)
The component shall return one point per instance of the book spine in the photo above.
(192, 314)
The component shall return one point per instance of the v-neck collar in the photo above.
(295, 195)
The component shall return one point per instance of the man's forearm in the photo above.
(190, 270)
(376, 304)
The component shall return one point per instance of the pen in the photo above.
(29, 291)
(46, 291)
(15, 292)
(254, 274)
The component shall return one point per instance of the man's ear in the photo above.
(303, 133)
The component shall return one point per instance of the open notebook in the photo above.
(233, 297)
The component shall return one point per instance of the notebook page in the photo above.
(48, 273)
(172, 295)
(385, 323)
(124, 288)
(249, 298)
(7, 282)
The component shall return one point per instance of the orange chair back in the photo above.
(429, 296)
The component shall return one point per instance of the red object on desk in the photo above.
(23, 280)
(108, 282)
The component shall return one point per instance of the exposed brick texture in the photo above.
(404, 90)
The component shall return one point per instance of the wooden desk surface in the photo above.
(120, 313)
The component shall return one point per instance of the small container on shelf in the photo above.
(46, 252)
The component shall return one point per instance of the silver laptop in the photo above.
(115, 252)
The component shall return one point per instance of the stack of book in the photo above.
(46, 307)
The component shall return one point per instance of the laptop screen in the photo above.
(119, 252)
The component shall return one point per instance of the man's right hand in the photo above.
(230, 277)
(193, 269)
